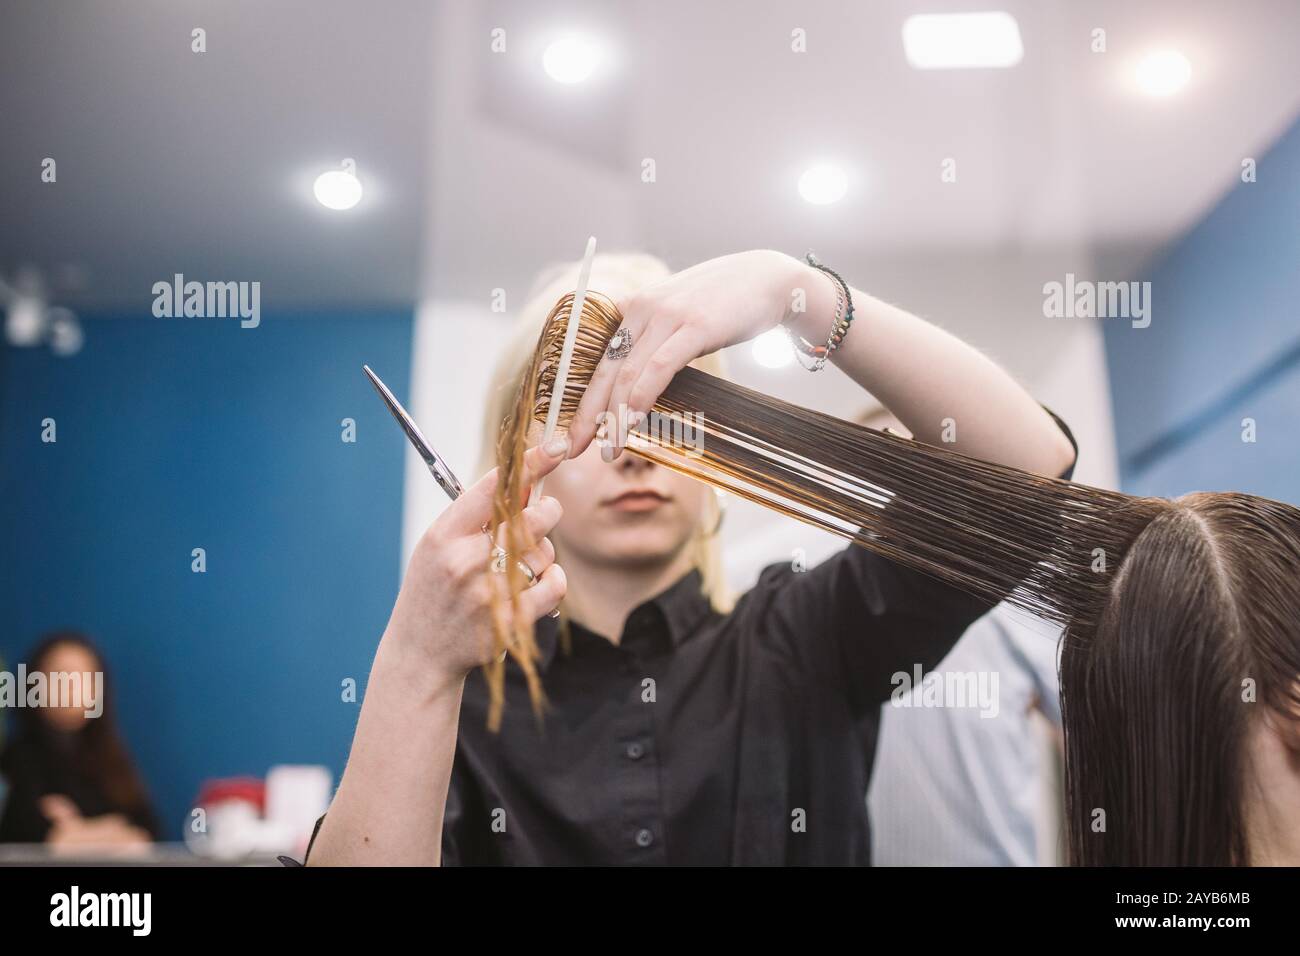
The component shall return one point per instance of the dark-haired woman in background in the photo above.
(71, 781)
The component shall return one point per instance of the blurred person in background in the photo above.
(960, 786)
(71, 781)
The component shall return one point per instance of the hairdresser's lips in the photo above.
(635, 500)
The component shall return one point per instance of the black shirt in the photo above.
(702, 738)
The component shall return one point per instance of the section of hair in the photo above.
(1042, 544)
(512, 633)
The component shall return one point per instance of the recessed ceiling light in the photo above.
(1163, 73)
(336, 189)
(66, 337)
(954, 41)
(25, 321)
(571, 59)
(772, 349)
(823, 184)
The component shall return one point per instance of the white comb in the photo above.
(566, 356)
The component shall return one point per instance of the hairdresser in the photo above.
(684, 725)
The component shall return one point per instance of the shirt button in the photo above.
(644, 838)
(635, 751)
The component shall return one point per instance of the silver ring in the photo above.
(619, 344)
(499, 556)
(528, 572)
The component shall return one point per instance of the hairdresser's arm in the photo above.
(389, 806)
(921, 373)
(927, 377)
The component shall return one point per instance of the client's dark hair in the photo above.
(1198, 644)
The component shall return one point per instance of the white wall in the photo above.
(450, 358)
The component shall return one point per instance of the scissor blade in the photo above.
(437, 467)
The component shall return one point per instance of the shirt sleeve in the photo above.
(1038, 655)
(290, 861)
(453, 820)
(862, 619)
(467, 838)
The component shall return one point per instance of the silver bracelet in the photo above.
(839, 328)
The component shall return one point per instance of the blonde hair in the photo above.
(615, 275)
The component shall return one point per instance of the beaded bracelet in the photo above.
(839, 329)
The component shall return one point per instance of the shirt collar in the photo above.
(683, 605)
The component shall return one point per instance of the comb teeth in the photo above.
(599, 322)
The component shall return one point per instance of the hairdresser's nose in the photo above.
(627, 462)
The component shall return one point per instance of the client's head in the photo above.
(629, 513)
(1182, 705)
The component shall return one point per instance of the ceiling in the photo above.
(478, 169)
(202, 163)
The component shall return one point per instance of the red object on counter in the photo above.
(248, 789)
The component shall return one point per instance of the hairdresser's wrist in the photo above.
(809, 301)
(409, 672)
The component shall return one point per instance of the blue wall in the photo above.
(175, 434)
(1223, 345)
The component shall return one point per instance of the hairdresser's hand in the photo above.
(707, 307)
(441, 627)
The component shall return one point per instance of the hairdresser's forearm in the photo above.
(389, 806)
(938, 386)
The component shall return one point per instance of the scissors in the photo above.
(442, 474)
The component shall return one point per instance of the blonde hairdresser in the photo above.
(613, 534)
